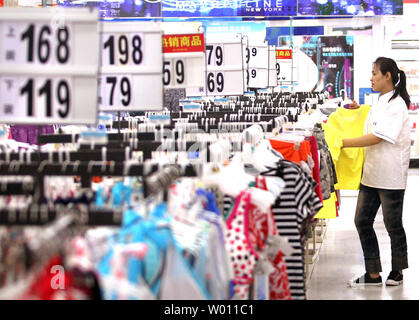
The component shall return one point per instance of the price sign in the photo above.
(131, 70)
(258, 73)
(184, 61)
(224, 68)
(46, 75)
(272, 82)
(283, 64)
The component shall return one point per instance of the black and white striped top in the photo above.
(296, 204)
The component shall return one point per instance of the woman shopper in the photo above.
(387, 151)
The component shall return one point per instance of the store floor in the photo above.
(341, 256)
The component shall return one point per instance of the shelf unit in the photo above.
(313, 245)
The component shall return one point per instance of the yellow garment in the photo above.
(329, 208)
(343, 124)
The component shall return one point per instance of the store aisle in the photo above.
(341, 255)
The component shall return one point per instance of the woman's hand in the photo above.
(353, 105)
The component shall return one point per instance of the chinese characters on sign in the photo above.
(183, 43)
(283, 54)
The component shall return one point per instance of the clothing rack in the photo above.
(17, 188)
(38, 215)
(228, 126)
(69, 138)
(113, 152)
(86, 170)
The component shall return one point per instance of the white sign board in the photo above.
(224, 74)
(246, 58)
(284, 64)
(272, 81)
(258, 65)
(184, 61)
(48, 71)
(132, 67)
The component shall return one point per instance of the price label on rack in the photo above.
(272, 81)
(46, 77)
(132, 63)
(184, 61)
(224, 68)
(258, 75)
(283, 64)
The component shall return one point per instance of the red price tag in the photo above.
(283, 54)
(183, 43)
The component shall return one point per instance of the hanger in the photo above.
(256, 151)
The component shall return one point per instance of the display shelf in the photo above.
(313, 246)
(311, 256)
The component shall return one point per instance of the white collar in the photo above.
(386, 96)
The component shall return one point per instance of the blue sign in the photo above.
(350, 7)
(233, 27)
(229, 8)
(118, 8)
(272, 33)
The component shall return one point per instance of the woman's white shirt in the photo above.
(386, 163)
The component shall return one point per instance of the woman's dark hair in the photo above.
(398, 77)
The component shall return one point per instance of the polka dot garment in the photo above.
(242, 255)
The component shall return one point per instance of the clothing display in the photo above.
(293, 209)
(29, 133)
(342, 124)
(227, 227)
(328, 177)
(239, 151)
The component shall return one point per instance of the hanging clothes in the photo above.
(29, 133)
(329, 210)
(252, 236)
(328, 177)
(296, 204)
(316, 169)
(292, 151)
(343, 124)
(262, 227)
(239, 246)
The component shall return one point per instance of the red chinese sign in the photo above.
(283, 54)
(183, 43)
(1, 3)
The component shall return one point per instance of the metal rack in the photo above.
(313, 245)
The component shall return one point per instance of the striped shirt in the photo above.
(294, 208)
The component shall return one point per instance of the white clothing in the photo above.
(386, 163)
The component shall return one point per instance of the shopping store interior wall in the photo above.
(372, 37)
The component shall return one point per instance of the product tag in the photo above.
(261, 287)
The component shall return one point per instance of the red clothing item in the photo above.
(292, 151)
(42, 288)
(261, 226)
(47, 285)
(316, 170)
